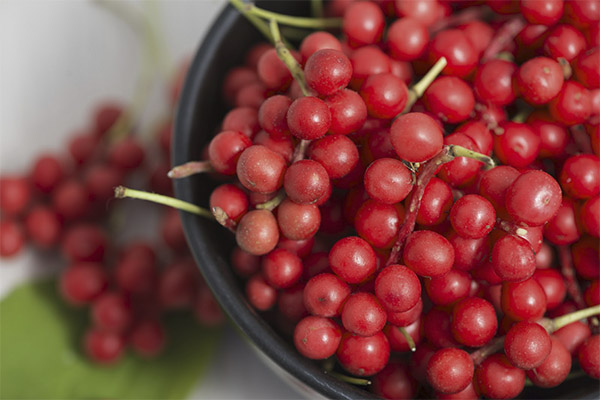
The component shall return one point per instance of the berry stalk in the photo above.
(189, 168)
(122, 192)
(299, 22)
(568, 272)
(287, 58)
(417, 90)
(505, 35)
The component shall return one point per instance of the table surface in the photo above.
(58, 60)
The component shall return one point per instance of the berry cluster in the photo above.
(447, 217)
(63, 204)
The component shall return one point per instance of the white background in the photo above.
(58, 60)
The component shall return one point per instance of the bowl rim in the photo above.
(234, 304)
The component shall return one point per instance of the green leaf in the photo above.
(41, 357)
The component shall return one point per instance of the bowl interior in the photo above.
(200, 112)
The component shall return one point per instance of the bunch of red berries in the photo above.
(63, 204)
(449, 217)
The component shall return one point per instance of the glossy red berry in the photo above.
(352, 259)
(363, 355)
(385, 95)
(472, 216)
(533, 198)
(527, 345)
(398, 288)
(363, 314)
(260, 169)
(327, 71)
(450, 370)
(257, 233)
(497, 378)
(554, 369)
(416, 137)
(523, 301)
(474, 322)
(363, 23)
(317, 338)
(308, 118)
(589, 356)
(428, 253)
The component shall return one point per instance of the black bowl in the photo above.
(199, 116)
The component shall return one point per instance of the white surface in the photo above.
(58, 59)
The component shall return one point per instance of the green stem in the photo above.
(287, 58)
(411, 343)
(316, 7)
(122, 192)
(350, 379)
(459, 151)
(417, 90)
(567, 319)
(299, 22)
(273, 203)
(258, 23)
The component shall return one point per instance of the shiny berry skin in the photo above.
(554, 369)
(513, 258)
(590, 216)
(388, 180)
(407, 39)
(527, 345)
(428, 253)
(554, 137)
(497, 378)
(363, 355)
(398, 288)
(260, 169)
(449, 288)
(580, 176)
(473, 322)
(589, 356)
(523, 301)
(573, 105)
(573, 335)
(395, 381)
(553, 284)
(257, 233)
(436, 203)
(533, 198)
(472, 216)
(317, 338)
(272, 72)
(298, 221)
(385, 95)
(450, 370)
(272, 115)
(260, 294)
(587, 68)
(518, 146)
(378, 223)
(407, 317)
(542, 12)
(327, 71)
(230, 199)
(449, 98)
(461, 171)
(242, 119)
(416, 137)
(348, 112)
(324, 295)
(318, 41)
(363, 23)
(308, 118)
(103, 347)
(363, 314)
(458, 50)
(225, 149)
(12, 238)
(493, 82)
(81, 283)
(352, 259)
(539, 80)
(564, 41)
(281, 268)
(562, 228)
(306, 181)
(336, 153)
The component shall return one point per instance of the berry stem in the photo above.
(459, 151)
(481, 354)
(467, 15)
(273, 203)
(287, 58)
(258, 23)
(417, 90)
(505, 35)
(568, 272)
(566, 67)
(567, 319)
(350, 379)
(411, 343)
(510, 227)
(428, 170)
(222, 218)
(299, 22)
(122, 192)
(189, 168)
(316, 8)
